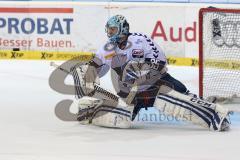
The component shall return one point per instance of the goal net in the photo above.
(219, 53)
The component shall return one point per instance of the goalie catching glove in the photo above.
(85, 77)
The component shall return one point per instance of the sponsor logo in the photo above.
(216, 28)
(175, 33)
(137, 53)
(40, 25)
(46, 55)
(16, 55)
(200, 102)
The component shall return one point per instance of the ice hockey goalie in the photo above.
(100, 107)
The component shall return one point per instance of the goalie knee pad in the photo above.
(198, 111)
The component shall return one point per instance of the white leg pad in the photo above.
(191, 109)
(86, 107)
(114, 117)
(100, 113)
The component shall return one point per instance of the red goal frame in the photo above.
(200, 56)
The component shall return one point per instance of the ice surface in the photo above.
(29, 129)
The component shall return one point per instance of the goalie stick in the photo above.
(129, 99)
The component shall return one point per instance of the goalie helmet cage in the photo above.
(219, 52)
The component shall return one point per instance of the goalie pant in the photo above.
(169, 101)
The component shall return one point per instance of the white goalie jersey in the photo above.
(146, 57)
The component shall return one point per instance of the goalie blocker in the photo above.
(105, 109)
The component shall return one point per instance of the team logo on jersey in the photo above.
(137, 53)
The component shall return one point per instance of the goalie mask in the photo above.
(116, 28)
